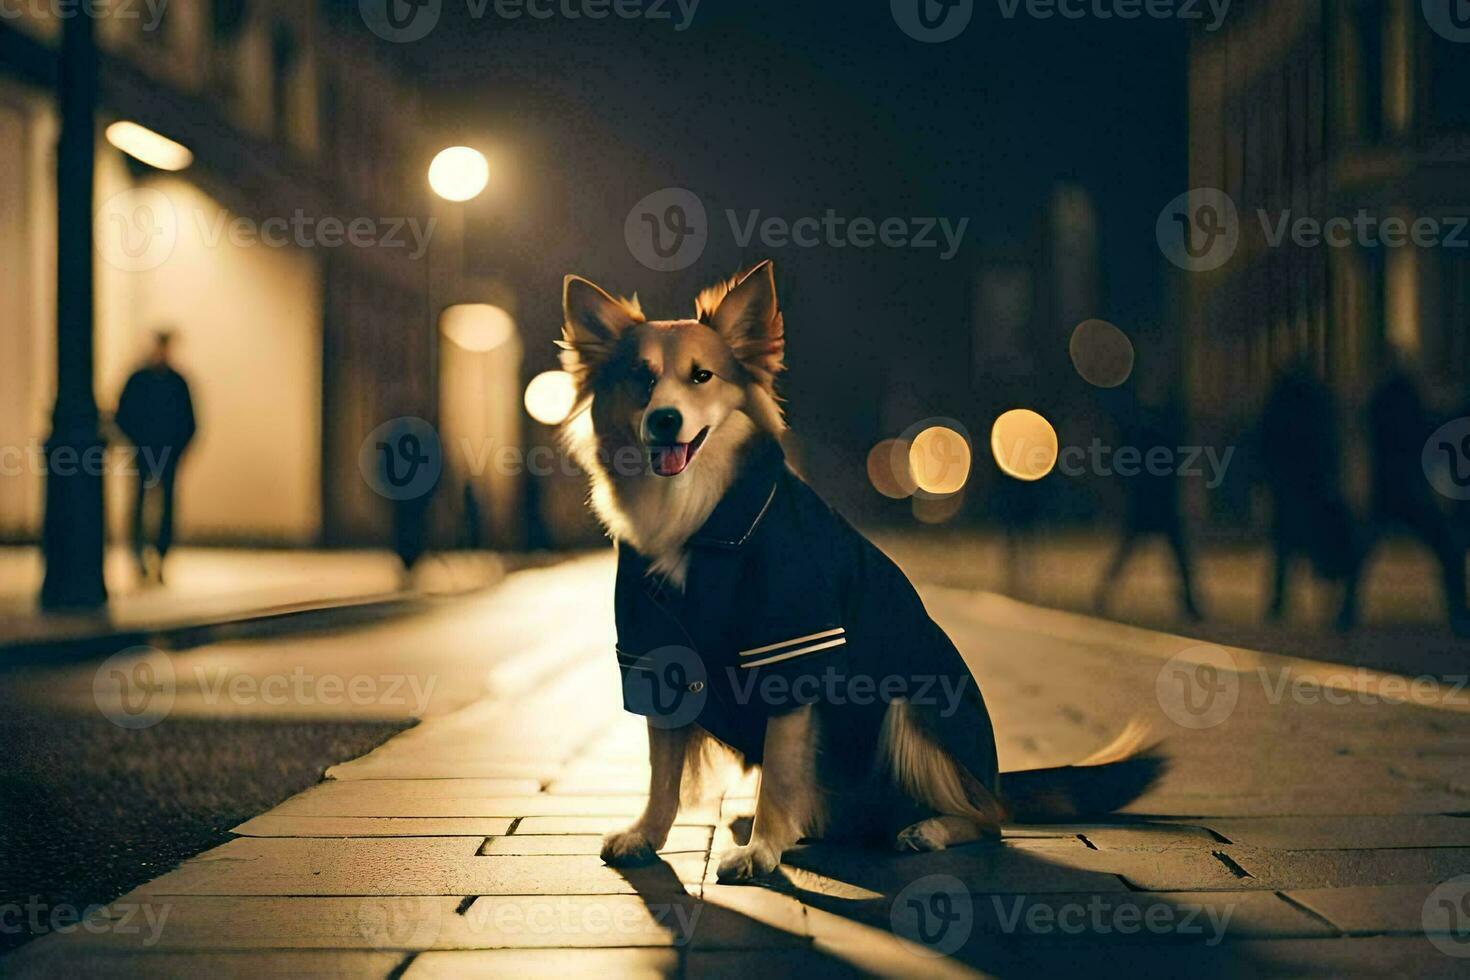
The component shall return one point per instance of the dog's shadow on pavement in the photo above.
(1017, 908)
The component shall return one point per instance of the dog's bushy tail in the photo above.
(1104, 782)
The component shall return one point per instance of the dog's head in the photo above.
(673, 387)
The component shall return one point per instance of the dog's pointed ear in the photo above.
(593, 322)
(749, 319)
(593, 316)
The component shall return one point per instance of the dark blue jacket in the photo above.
(786, 604)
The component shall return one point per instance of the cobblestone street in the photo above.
(1314, 823)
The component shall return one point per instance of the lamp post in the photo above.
(457, 174)
(72, 538)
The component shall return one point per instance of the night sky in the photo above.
(793, 109)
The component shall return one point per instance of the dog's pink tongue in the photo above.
(670, 460)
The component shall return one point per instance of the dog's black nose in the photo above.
(663, 425)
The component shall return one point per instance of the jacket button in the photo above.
(696, 687)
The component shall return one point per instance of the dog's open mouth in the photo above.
(673, 459)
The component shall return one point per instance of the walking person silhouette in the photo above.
(156, 413)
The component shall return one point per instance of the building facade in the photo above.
(1330, 109)
(293, 260)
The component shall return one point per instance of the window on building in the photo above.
(1368, 18)
(284, 55)
(227, 24)
(1446, 101)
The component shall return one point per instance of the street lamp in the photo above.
(459, 173)
(154, 149)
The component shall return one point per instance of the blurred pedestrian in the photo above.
(1399, 424)
(1152, 494)
(156, 413)
(1300, 452)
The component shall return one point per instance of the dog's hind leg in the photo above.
(639, 844)
(787, 805)
(967, 810)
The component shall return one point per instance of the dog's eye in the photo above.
(700, 376)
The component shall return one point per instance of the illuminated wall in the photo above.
(247, 323)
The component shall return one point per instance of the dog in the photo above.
(752, 618)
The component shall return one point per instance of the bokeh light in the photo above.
(938, 510)
(459, 173)
(550, 397)
(1101, 353)
(477, 327)
(939, 460)
(888, 469)
(1024, 444)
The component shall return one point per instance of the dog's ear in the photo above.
(593, 322)
(749, 318)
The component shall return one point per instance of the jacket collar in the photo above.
(740, 510)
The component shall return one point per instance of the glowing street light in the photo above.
(477, 327)
(939, 460)
(142, 143)
(550, 397)
(459, 173)
(1024, 444)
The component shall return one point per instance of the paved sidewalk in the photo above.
(1315, 823)
(213, 585)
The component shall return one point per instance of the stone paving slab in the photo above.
(808, 963)
(1332, 832)
(395, 866)
(274, 825)
(1199, 807)
(1323, 868)
(997, 869)
(1371, 909)
(598, 825)
(226, 923)
(577, 921)
(1146, 837)
(681, 839)
(307, 965)
(593, 964)
(1144, 917)
(418, 798)
(433, 765)
(1329, 959)
(736, 916)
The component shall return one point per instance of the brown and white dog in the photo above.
(674, 417)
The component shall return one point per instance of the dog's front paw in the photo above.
(746, 864)
(628, 848)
